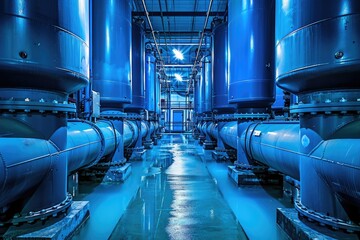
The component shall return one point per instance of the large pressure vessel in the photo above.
(220, 68)
(138, 67)
(111, 52)
(197, 96)
(150, 82)
(317, 44)
(251, 52)
(207, 85)
(44, 44)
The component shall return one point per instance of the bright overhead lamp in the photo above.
(178, 77)
(178, 54)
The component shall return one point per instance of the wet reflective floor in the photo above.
(179, 192)
(178, 199)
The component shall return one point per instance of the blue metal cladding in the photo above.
(44, 44)
(150, 81)
(251, 52)
(220, 69)
(207, 85)
(317, 49)
(279, 99)
(138, 67)
(111, 52)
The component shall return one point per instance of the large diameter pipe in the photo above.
(131, 133)
(87, 143)
(24, 170)
(337, 161)
(273, 144)
(145, 128)
(228, 134)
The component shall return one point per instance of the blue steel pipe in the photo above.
(228, 134)
(273, 144)
(24, 170)
(131, 133)
(88, 142)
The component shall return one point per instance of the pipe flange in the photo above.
(113, 115)
(326, 108)
(324, 220)
(134, 116)
(252, 116)
(42, 215)
(253, 168)
(225, 117)
(40, 106)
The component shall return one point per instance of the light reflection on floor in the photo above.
(179, 199)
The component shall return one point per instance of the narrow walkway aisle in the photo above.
(178, 199)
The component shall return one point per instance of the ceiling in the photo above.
(179, 24)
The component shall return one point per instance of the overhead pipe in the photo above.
(200, 43)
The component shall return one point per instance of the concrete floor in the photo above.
(178, 192)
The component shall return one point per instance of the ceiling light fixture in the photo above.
(178, 77)
(178, 54)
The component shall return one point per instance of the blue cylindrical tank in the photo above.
(207, 85)
(111, 52)
(44, 44)
(138, 66)
(251, 52)
(317, 49)
(220, 78)
(150, 82)
(157, 93)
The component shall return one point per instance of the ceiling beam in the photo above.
(179, 14)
